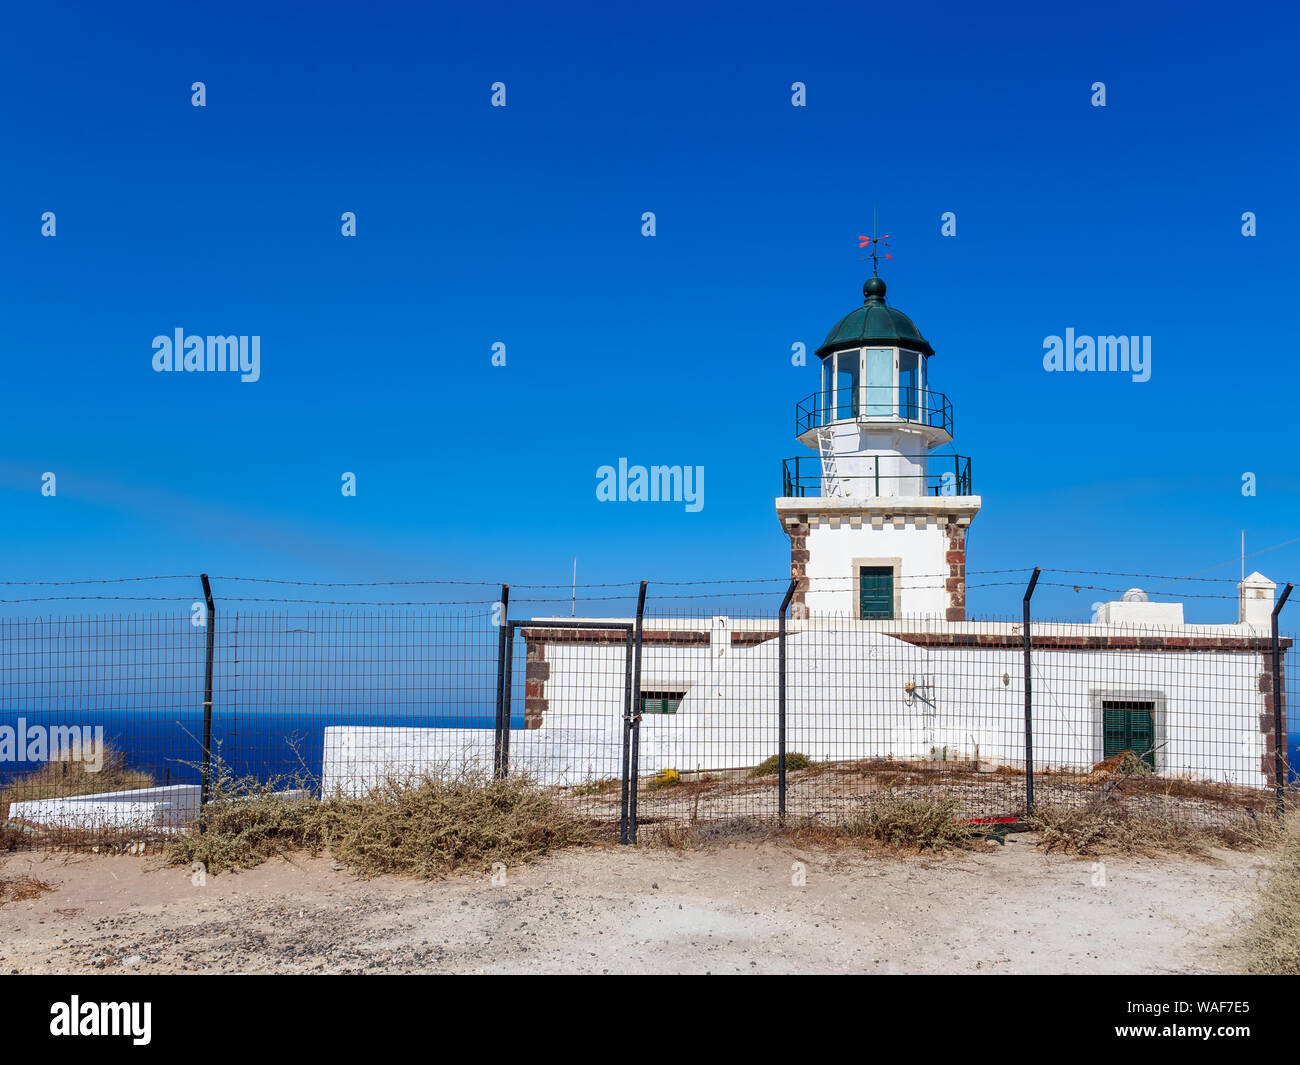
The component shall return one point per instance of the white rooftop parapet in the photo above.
(1136, 609)
(1255, 600)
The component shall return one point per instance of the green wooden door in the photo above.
(1128, 726)
(876, 592)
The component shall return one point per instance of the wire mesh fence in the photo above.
(1182, 717)
(698, 710)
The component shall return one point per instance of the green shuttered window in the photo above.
(1129, 725)
(876, 592)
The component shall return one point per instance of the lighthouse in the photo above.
(878, 510)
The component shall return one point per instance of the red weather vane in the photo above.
(874, 243)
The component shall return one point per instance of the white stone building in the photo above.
(881, 659)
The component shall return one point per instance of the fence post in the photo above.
(505, 698)
(1279, 716)
(503, 686)
(1029, 701)
(780, 697)
(205, 790)
(627, 740)
(636, 717)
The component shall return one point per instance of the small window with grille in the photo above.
(661, 702)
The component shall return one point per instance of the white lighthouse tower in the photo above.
(877, 516)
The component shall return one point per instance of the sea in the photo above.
(267, 746)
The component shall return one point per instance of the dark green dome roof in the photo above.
(874, 322)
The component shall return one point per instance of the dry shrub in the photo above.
(244, 823)
(435, 825)
(919, 824)
(426, 826)
(1224, 795)
(22, 888)
(1153, 827)
(62, 779)
(892, 820)
(13, 836)
(1270, 943)
(793, 760)
(1122, 765)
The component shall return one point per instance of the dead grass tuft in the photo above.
(22, 889)
(427, 826)
(245, 823)
(1270, 943)
(435, 825)
(891, 820)
(12, 836)
(1155, 827)
(914, 823)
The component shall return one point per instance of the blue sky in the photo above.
(522, 225)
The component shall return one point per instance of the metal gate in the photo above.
(609, 720)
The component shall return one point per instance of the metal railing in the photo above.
(948, 475)
(868, 403)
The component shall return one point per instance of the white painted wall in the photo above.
(833, 587)
(359, 758)
(139, 809)
(846, 700)
(168, 808)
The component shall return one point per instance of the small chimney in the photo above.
(1255, 600)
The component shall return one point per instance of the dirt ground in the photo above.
(719, 909)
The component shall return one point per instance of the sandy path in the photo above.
(721, 909)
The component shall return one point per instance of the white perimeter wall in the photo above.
(846, 700)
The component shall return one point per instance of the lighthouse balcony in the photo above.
(881, 406)
(867, 476)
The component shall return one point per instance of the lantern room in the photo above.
(874, 370)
